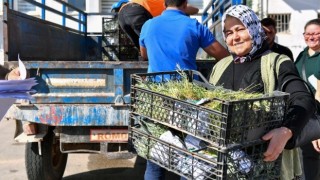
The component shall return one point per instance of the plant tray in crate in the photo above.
(233, 122)
(239, 162)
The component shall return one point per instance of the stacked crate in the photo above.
(116, 45)
(234, 142)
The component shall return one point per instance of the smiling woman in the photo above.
(237, 36)
(312, 37)
(246, 69)
(308, 63)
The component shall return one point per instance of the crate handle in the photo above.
(204, 82)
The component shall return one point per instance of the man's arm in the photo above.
(143, 52)
(216, 50)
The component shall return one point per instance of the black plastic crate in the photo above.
(116, 44)
(238, 162)
(222, 127)
(110, 24)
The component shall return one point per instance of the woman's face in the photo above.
(237, 36)
(312, 36)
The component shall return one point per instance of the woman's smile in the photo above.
(237, 36)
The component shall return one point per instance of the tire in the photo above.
(50, 165)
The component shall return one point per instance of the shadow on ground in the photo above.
(127, 173)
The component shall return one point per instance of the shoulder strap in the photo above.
(303, 70)
(270, 65)
(219, 68)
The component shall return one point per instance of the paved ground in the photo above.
(79, 166)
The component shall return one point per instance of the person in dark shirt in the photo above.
(269, 26)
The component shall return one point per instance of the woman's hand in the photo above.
(14, 74)
(278, 139)
(316, 145)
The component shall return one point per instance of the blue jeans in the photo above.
(154, 172)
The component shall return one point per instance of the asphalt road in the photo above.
(79, 166)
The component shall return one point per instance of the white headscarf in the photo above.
(251, 21)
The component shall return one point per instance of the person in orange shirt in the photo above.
(134, 14)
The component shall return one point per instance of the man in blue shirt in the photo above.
(173, 39)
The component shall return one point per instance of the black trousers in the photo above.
(311, 162)
(131, 19)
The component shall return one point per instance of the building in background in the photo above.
(291, 16)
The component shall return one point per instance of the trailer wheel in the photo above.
(50, 165)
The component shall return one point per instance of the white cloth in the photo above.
(160, 152)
